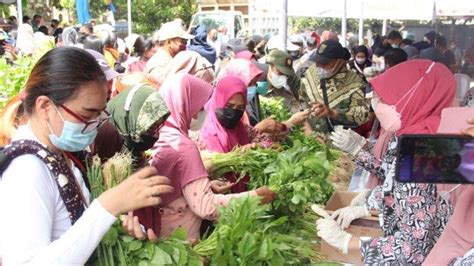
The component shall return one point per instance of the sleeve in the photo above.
(27, 231)
(358, 110)
(457, 238)
(375, 199)
(366, 159)
(190, 166)
(203, 202)
(416, 223)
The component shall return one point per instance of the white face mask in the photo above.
(323, 73)
(278, 81)
(196, 124)
(360, 61)
(394, 45)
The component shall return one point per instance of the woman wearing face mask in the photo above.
(177, 156)
(283, 80)
(413, 216)
(360, 61)
(64, 99)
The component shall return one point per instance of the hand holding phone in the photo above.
(435, 159)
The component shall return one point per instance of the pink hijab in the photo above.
(241, 68)
(216, 137)
(422, 114)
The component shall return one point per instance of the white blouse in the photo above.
(35, 228)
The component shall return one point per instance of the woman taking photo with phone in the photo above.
(413, 216)
(47, 215)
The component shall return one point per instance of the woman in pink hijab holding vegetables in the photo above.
(178, 158)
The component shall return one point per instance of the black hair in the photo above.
(94, 43)
(139, 46)
(89, 27)
(55, 21)
(37, 16)
(381, 50)
(441, 41)
(43, 29)
(407, 42)
(25, 19)
(250, 44)
(395, 56)
(59, 75)
(109, 38)
(394, 34)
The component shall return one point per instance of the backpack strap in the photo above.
(68, 188)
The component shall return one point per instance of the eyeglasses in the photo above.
(90, 125)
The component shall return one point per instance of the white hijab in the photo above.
(25, 39)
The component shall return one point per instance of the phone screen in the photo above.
(435, 159)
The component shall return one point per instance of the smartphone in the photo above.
(435, 159)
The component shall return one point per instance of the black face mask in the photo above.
(145, 144)
(228, 117)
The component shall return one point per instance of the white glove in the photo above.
(330, 232)
(348, 214)
(348, 141)
(361, 198)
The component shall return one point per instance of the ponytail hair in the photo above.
(11, 117)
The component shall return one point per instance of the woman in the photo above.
(64, 100)
(199, 44)
(25, 40)
(93, 42)
(456, 244)
(189, 62)
(176, 156)
(360, 61)
(138, 113)
(141, 51)
(413, 216)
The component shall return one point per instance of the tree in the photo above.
(148, 15)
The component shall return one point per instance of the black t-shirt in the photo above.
(448, 58)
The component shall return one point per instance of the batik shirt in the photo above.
(345, 93)
(412, 216)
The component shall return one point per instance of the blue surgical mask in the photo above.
(72, 139)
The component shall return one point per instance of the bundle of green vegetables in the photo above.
(248, 234)
(117, 248)
(13, 77)
(274, 107)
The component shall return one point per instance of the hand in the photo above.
(469, 131)
(266, 195)
(330, 232)
(348, 214)
(141, 189)
(247, 147)
(11, 50)
(360, 199)
(221, 186)
(298, 118)
(348, 141)
(268, 125)
(320, 110)
(133, 227)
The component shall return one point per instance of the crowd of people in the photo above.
(185, 92)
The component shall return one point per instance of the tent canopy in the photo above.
(377, 9)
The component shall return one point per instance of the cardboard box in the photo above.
(367, 226)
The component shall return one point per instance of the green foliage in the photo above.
(148, 15)
(274, 107)
(247, 234)
(117, 248)
(13, 77)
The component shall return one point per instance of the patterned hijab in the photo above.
(137, 112)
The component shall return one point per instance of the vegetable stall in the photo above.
(246, 233)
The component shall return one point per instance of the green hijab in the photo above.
(137, 113)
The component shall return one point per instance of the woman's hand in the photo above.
(247, 147)
(298, 118)
(265, 194)
(268, 125)
(220, 186)
(469, 131)
(141, 189)
(131, 224)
